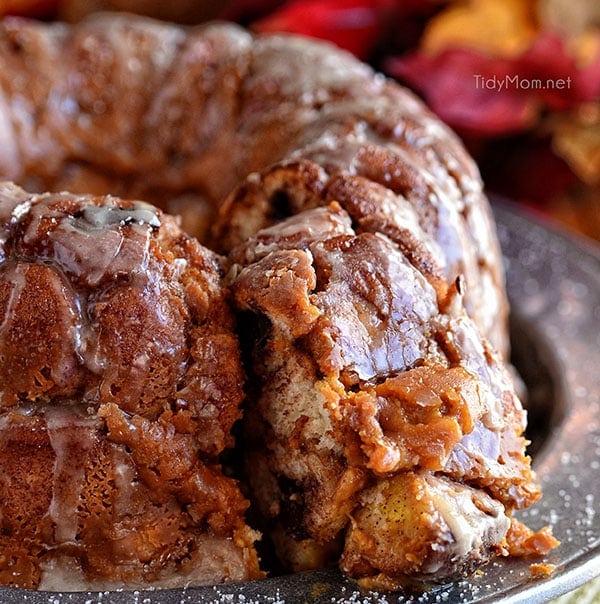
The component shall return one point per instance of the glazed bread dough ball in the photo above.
(121, 380)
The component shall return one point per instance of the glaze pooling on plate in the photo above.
(554, 286)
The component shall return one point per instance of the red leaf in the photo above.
(462, 88)
(549, 63)
(351, 24)
(29, 8)
(486, 95)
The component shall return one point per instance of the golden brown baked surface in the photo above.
(180, 117)
(121, 380)
(381, 427)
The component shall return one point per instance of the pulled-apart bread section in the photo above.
(380, 425)
(381, 428)
(120, 382)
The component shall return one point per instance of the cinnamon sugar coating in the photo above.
(121, 380)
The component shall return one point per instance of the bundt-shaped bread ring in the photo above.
(120, 381)
(180, 117)
(381, 429)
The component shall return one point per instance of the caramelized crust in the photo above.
(379, 415)
(121, 380)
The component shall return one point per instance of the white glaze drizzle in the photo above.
(71, 436)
